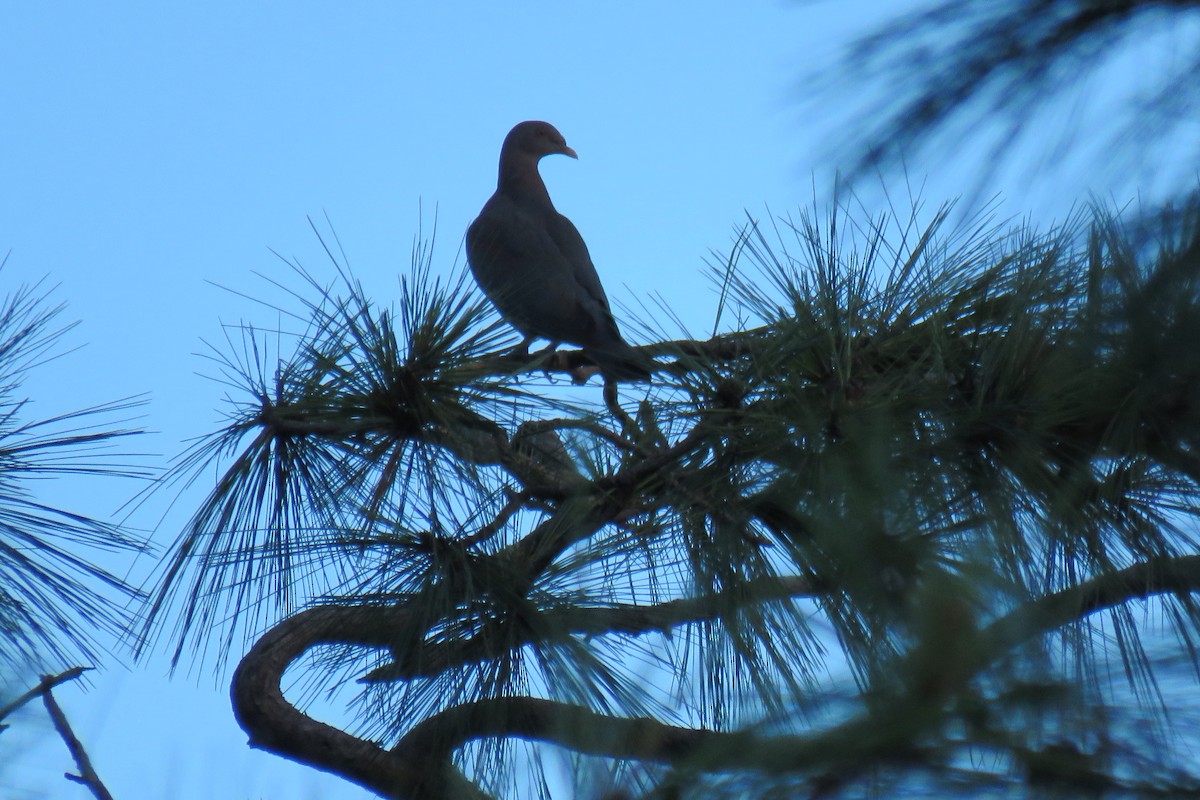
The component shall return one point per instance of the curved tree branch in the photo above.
(419, 766)
(276, 725)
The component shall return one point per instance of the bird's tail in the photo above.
(622, 362)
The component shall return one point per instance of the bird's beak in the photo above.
(566, 151)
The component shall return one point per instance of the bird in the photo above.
(534, 266)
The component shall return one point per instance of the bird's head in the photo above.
(534, 139)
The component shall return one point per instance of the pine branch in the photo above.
(630, 619)
(903, 455)
(1003, 60)
(423, 754)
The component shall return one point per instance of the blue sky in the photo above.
(151, 153)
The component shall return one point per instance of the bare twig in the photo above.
(47, 683)
(87, 775)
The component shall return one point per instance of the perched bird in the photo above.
(532, 263)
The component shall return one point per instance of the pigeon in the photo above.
(533, 265)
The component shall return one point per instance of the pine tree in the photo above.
(960, 462)
(969, 456)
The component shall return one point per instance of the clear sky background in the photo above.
(150, 150)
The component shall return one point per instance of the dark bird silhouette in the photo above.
(532, 263)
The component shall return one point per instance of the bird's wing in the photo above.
(568, 241)
(536, 285)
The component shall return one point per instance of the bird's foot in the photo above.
(521, 351)
(543, 356)
(583, 373)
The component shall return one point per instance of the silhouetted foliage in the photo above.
(966, 456)
(60, 602)
(956, 464)
(991, 67)
(56, 599)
